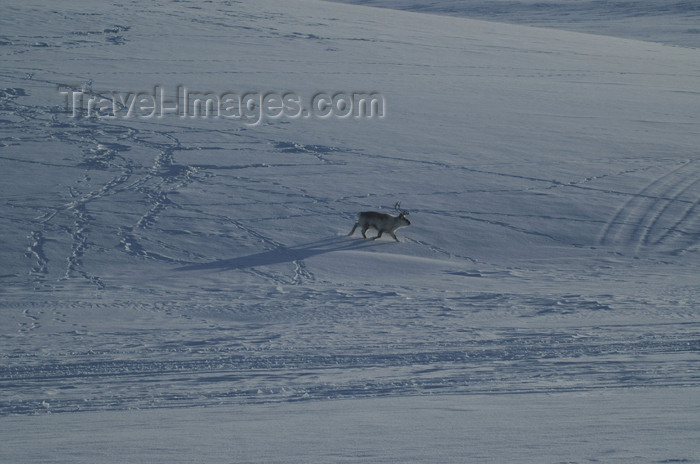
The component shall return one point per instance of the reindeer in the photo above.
(382, 222)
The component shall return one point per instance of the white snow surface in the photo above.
(183, 289)
(665, 21)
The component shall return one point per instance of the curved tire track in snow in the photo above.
(650, 217)
(658, 219)
(685, 231)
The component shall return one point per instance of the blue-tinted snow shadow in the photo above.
(284, 254)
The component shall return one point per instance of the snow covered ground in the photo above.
(666, 21)
(182, 288)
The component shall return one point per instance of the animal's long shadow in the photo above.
(283, 254)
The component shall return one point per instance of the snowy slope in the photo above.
(157, 262)
(664, 21)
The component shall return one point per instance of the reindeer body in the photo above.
(382, 222)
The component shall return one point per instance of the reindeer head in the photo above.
(402, 212)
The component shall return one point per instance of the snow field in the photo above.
(184, 287)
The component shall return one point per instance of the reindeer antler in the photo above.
(397, 207)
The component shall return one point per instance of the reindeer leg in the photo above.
(394, 235)
(378, 235)
(357, 224)
(364, 229)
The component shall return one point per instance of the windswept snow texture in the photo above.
(185, 287)
(667, 21)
